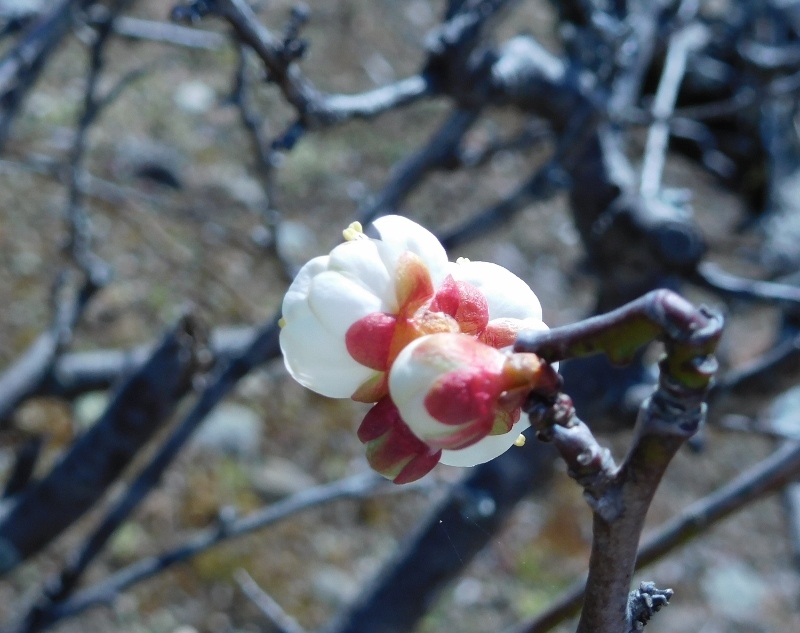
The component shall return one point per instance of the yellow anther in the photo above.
(462, 260)
(520, 441)
(282, 322)
(354, 232)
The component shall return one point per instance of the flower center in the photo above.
(376, 339)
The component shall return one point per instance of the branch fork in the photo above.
(620, 496)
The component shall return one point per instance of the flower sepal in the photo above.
(392, 449)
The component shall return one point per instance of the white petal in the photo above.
(507, 295)
(361, 262)
(404, 235)
(486, 449)
(409, 383)
(339, 302)
(298, 291)
(317, 359)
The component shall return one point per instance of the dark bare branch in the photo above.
(315, 108)
(80, 372)
(137, 411)
(446, 541)
(714, 277)
(21, 66)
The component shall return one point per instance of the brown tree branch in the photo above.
(762, 479)
(620, 497)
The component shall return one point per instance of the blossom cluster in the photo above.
(390, 321)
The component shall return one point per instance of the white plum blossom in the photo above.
(350, 317)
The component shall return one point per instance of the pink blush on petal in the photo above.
(447, 297)
(462, 396)
(473, 310)
(369, 340)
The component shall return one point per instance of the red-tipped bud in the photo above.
(392, 449)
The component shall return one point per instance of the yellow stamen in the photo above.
(354, 232)
(462, 260)
(520, 441)
(282, 322)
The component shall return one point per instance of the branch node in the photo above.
(293, 47)
(675, 411)
(644, 602)
(588, 463)
(605, 503)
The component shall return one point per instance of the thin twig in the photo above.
(406, 175)
(137, 28)
(240, 97)
(267, 604)
(742, 391)
(106, 591)
(743, 99)
(715, 278)
(543, 184)
(80, 232)
(265, 154)
(28, 374)
(532, 133)
(681, 45)
(32, 370)
(21, 66)
(315, 108)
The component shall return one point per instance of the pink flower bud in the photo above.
(392, 449)
(454, 391)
